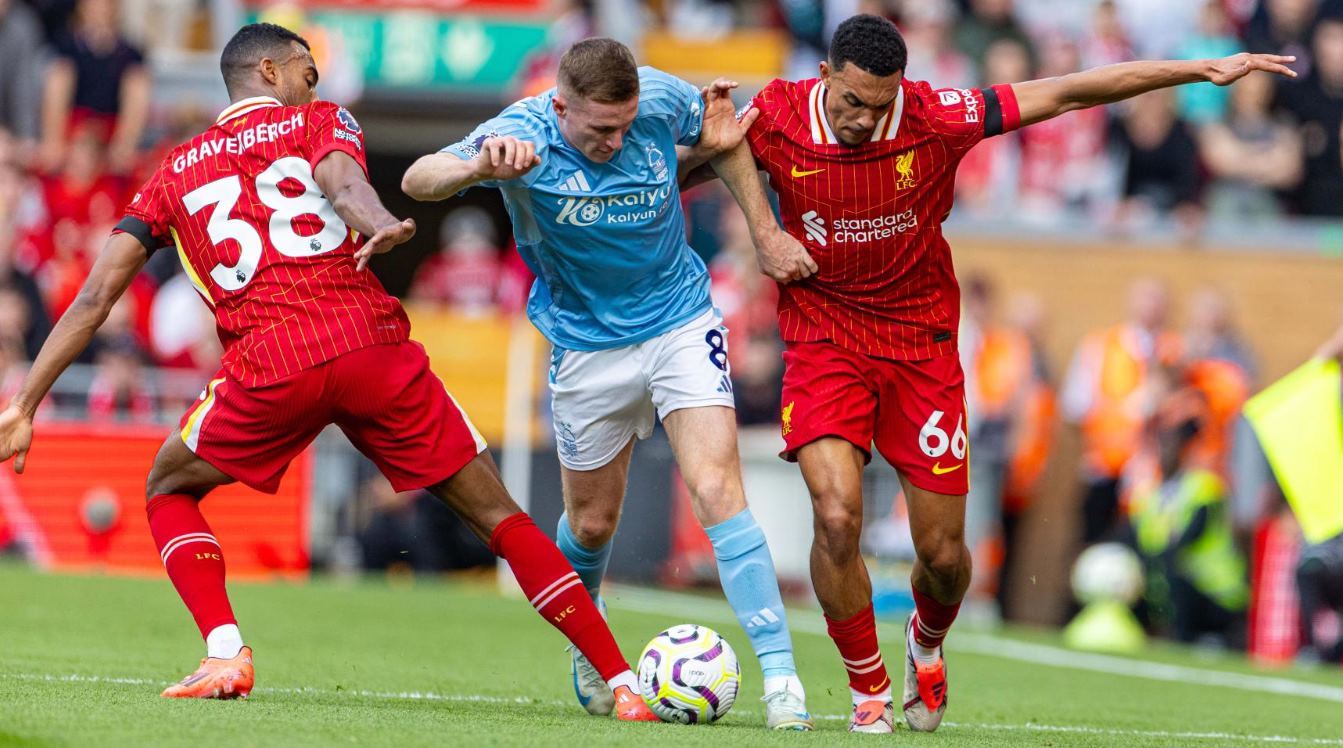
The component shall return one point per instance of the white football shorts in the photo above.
(603, 398)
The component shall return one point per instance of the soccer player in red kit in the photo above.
(864, 162)
(266, 209)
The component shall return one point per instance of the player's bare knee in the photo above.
(838, 528)
(717, 495)
(594, 529)
(944, 556)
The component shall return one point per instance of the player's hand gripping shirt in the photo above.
(607, 242)
(871, 216)
(261, 243)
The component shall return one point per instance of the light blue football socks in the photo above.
(590, 563)
(747, 574)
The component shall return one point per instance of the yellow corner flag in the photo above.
(1299, 422)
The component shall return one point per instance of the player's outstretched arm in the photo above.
(781, 256)
(439, 176)
(121, 259)
(344, 183)
(1047, 98)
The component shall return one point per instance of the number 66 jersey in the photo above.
(261, 243)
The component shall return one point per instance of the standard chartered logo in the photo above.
(814, 225)
(857, 230)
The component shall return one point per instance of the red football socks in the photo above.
(932, 620)
(856, 638)
(193, 558)
(554, 589)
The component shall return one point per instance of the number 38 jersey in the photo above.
(261, 243)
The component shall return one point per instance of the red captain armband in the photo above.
(1001, 112)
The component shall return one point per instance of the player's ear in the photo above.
(270, 72)
(560, 104)
(825, 71)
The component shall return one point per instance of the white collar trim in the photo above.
(239, 108)
(888, 127)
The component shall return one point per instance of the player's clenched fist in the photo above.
(16, 435)
(783, 257)
(505, 158)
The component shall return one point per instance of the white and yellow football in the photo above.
(689, 674)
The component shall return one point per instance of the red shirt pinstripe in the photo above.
(262, 244)
(871, 216)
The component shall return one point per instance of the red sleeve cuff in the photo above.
(1007, 101)
(343, 147)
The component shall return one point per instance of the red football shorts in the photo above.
(384, 397)
(913, 410)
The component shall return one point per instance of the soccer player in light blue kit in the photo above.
(589, 172)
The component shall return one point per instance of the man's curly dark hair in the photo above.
(870, 42)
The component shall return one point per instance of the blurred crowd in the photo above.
(1259, 149)
(76, 138)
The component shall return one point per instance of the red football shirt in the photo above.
(261, 243)
(871, 215)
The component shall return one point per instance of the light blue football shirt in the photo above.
(607, 242)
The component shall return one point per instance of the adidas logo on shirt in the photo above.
(577, 182)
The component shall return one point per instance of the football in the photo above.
(1108, 571)
(689, 674)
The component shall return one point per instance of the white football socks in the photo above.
(862, 697)
(776, 683)
(625, 679)
(223, 642)
(922, 655)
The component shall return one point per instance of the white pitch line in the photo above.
(678, 604)
(518, 700)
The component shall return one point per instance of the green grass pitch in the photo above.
(82, 660)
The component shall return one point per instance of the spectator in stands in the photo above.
(99, 79)
(466, 272)
(1001, 388)
(1212, 333)
(1160, 163)
(926, 25)
(1221, 367)
(1252, 156)
(1112, 387)
(1183, 529)
(1283, 27)
(21, 59)
(989, 21)
(988, 184)
(1064, 163)
(82, 203)
(1032, 438)
(1107, 42)
(1204, 103)
(118, 390)
(1158, 27)
(1317, 105)
(28, 316)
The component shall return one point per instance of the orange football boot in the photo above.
(217, 678)
(630, 706)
